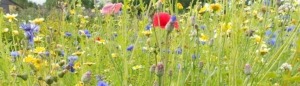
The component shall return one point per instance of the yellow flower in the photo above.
(215, 7)
(203, 38)
(89, 63)
(203, 9)
(226, 27)
(72, 12)
(179, 6)
(257, 38)
(11, 17)
(37, 20)
(15, 32)
(77, 65)
(263, 49)
(147, 33)
(37, 39)
(5, 30)
(79, 84)
(114, 55)
(137, 67)
(39, 50)
(78, 53)
(29, 59)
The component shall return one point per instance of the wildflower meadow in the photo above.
(160, 43)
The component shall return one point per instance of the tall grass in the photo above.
(218, 61)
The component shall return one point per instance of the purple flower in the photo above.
(102, 83)
(30, 30)
(68, 34)
(14, 54)
(72, 59)
(268, 32)
(290, 28)
(173, 18)
(85, 32)
(179, 50)
(130, 48)
(272, 41)
(148, 27)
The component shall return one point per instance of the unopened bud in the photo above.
(159, 69)
(247, 69)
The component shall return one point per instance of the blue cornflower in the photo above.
(194, 56)
(203, 27)
(71, 59)
(100, 81)
(148, 27)
(290, 28)
(14, 54)
(130, 48)
(268, 33)
(85, 32)
(179, 50)
(68, 34)
(272, 41)
(30, 30)
(173, 18)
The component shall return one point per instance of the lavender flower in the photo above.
(148, 27)
(68, 34)
(179, 50)
(70, 66)
(14, 54)
(100, 81)
(30, 30)
(290, 28)
(130, 48)
(85, 33)
(170, 24)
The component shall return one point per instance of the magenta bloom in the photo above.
(111, 8)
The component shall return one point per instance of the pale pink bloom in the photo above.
(111, 8)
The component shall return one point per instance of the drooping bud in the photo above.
(62, 73)
(159, 69)
(247, 69)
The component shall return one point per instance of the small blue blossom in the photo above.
(272, 41)
(102, 83)
(173, 18)
(290, 28)
(178, 50)
(14, 54)
(203, 27)
(68, 34)
(72, 59)
(148, 27)
(130, 48)
(268, 33)
(195, 56)
(30, 30)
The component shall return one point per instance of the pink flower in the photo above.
(111, 8)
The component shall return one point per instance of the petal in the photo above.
(161, 19)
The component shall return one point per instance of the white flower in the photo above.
(286, 66)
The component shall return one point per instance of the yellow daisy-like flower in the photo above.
(215, 7)
(147, 33)
(257, 38)
(179, 6)
(29, 59)
(89, 63)
(11, 17)
(78, 53)
(114, 55)
(79, 84)
(137, 67)
(202, 10)
(39, 50)
(263, 49)
(226, 27)
(15, 32)
(72, 12)
(203, 38)
(37, 20)
(77, 65)
(37, 39)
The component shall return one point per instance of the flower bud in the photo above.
(247, 69)
(23, 76)
(152, 68)
(49, 80)
(159, 69)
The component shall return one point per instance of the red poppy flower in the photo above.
(161, 19)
